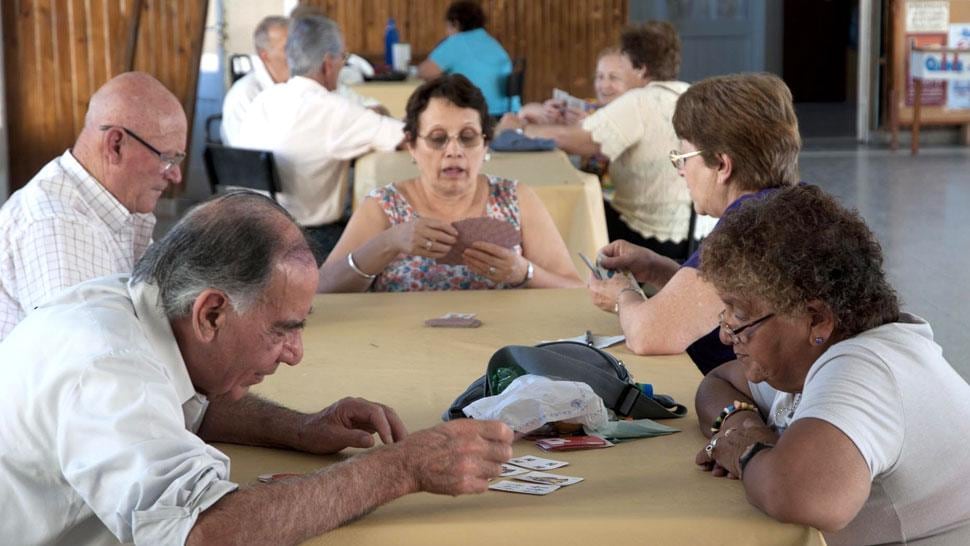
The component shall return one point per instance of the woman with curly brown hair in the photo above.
(649, 207)
(840, 412)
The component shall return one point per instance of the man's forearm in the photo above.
(293, 510)
(251, 420)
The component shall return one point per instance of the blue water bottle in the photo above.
(390, 38)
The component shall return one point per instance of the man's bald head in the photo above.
(138, 101)
(136, 170)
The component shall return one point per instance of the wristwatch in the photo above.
(750, 452)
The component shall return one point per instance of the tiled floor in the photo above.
(919, 208)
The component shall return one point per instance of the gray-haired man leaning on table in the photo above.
(113, 390)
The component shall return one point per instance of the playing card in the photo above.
(471, 230)
(454, 320)
(519, 487)
(536, 463)
(267, 478)
(548, 479)
(509, 470)
(570, 443)
(599, 271)
(570, 101)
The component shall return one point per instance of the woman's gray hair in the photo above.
(229, 243)
(311, 38)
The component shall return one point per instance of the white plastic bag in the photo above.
(532, 401)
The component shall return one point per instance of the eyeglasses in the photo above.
(678, 159)
(438, 140)
(734, 334)
(169, 160)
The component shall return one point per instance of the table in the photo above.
(393, 95)
(573, 198)
(647, 490)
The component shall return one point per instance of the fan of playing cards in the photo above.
(471, 230)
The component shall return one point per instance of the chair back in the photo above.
(253, 169)
(215, 120)
(516, 81)
(239, 65)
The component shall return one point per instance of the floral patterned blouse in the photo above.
(416, 273)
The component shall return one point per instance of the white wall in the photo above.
(241, 18)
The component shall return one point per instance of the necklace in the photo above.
(788, 410)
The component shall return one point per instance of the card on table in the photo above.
(471, 230)
(548, 479)
(570, 443)
(536, 463)
(454, 320)
(519, 487)
(509, 470)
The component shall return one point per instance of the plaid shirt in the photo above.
(60, 229)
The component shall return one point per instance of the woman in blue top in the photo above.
(471, 51)
(739, 139)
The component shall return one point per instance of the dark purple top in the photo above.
(708, 352)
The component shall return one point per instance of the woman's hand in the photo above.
(497, 263)
(426, 237)
(572, 116)
(730, 444)
(510, 122)
(646, 265)
(606, 291)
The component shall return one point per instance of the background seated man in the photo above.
(88, 212)
(114, 388)
(315, 132)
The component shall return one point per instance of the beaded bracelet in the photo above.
(730, 410)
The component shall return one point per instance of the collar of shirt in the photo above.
(148, 310)
(262, 75)
(114, 214)
(302, 82)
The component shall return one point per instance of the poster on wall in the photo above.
(958, 92)
(934, 92)
(927, 16)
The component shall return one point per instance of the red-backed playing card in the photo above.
(570, 443)
(490, 230)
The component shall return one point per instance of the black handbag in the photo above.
(569, 361)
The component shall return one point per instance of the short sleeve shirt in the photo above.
(479, 57)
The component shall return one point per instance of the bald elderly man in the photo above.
(88, 213)
(105, 436)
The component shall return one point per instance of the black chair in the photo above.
(239, 65)
(515, 84)
(238, 167)
(215, 120)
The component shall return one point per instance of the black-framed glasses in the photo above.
(678, 160)
(734, 334)
(169, 160)
(438, 140)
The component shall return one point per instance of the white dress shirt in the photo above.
(314, 134)
(97, 422)
(242, 94)
(60, 229)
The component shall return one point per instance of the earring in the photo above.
(488, 156)
(819, 340)
(413, 161)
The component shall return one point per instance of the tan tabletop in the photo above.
(644, 491)
(393, 95)
(572, 197)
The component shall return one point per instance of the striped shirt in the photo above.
(60, 229)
